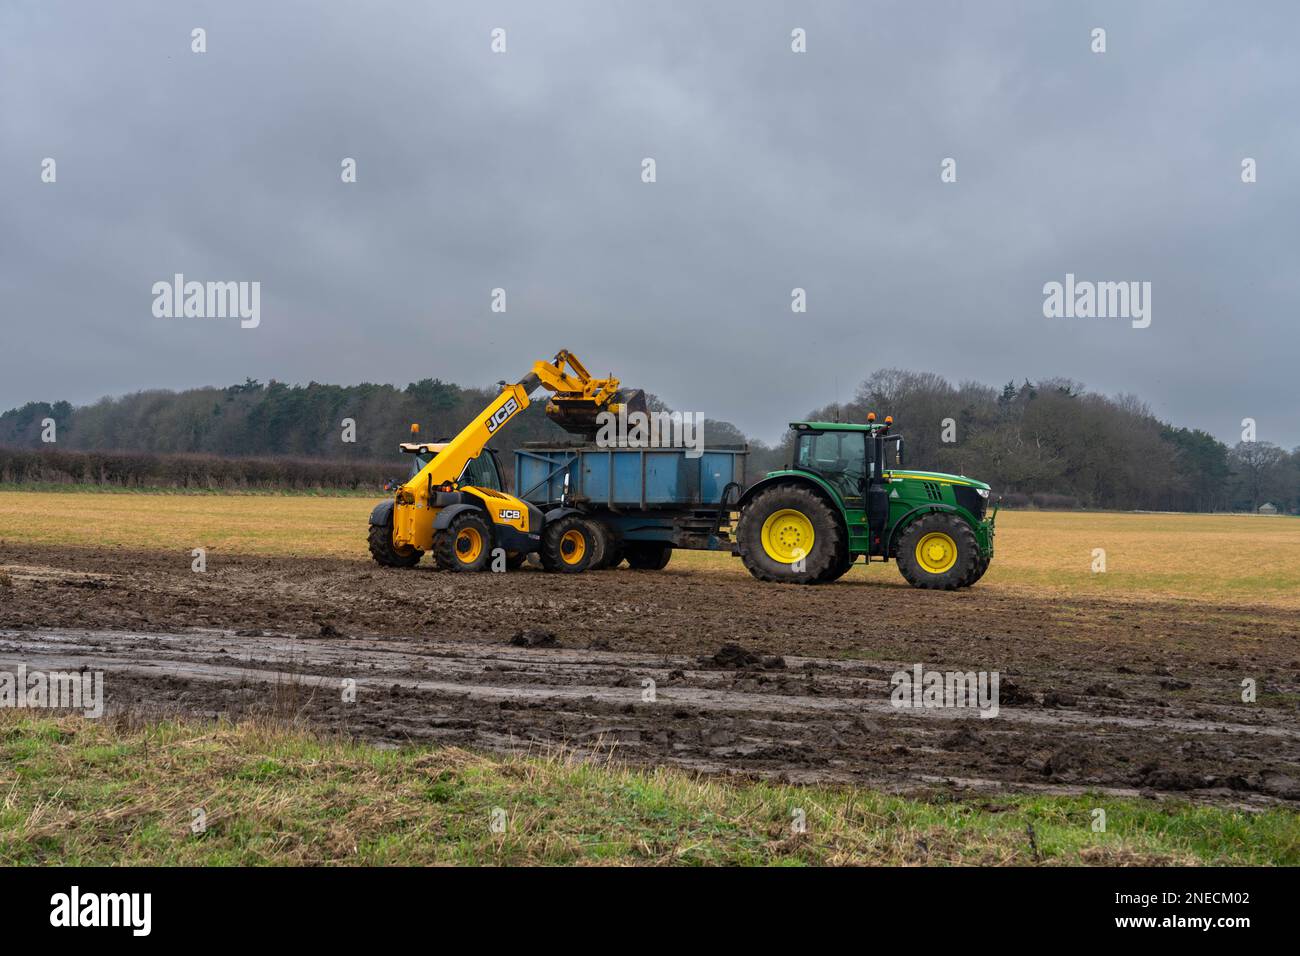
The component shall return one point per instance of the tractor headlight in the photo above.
(984, 492)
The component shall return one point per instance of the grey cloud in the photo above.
(775, 170)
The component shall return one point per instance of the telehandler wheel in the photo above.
(465, 544)
(789, 533)
(648, 555)
(568, 545)
(388, 554)
(937, 551)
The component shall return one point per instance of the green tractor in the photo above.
(846, 495)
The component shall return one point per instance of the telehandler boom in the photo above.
(454, 505)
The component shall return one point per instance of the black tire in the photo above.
(569, 545)
(603, 544)
(648, 555)
(388, 554)
(611, 549)
(981, 565)
(465, 544)
(839, 568)
(957, 532)
(826, 550)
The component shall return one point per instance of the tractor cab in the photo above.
(849, 457)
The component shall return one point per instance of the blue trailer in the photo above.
(641, 502)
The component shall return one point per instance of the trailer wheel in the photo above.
(385, 552)
(465, 544)
(602, 544)
(938, 552)
(648, 555)
(789, 533)
(568, 545)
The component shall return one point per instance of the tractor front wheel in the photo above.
(789, 533)
(465, 544)
(938, 552)
(385, 552)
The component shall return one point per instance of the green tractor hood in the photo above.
(936, 476)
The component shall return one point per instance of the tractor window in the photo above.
(839, 457)
(481, 472)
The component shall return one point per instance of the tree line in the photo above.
(1054, 444)
(1049, 443)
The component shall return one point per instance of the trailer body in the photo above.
(659, 495)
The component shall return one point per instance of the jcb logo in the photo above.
(502, 415)
(509, 514)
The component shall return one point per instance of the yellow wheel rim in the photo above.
(573, 545)
(936, 552)
(469, 545)
(787, 536)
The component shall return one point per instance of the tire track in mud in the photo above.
(810, 719)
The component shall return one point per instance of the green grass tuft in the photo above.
(74, 791)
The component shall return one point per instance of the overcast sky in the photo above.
(775, 170)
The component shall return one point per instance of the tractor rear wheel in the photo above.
(569, 545)
(838, 569)
(789, 533)
(465, 544)
(981, 565)
(648, 555)
(384, 551)
(938, 552)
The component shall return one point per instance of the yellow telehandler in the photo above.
(456, 506)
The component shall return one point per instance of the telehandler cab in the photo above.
(454, 504)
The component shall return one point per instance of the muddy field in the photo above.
(1120, 696)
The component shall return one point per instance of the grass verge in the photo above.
(79, 792)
